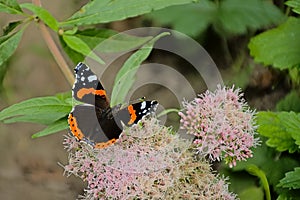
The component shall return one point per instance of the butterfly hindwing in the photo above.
(93, 125)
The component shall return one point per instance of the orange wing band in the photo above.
(85, 91)
(132, 115)
(102, 145)
(74, 127)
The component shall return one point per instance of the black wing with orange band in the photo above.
(88, 89)
(95, 122)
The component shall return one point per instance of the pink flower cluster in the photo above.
(149, 161)
(222, 123)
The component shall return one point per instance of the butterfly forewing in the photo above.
(135, 112)
(87, 88)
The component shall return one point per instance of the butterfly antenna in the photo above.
(141, 99)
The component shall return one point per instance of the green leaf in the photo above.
(104, 11)
(237, 17)
(65, 96)
(93, 37)
(104, 41)
(295, 4)
(278, 47)
(177, 16)
(3, 69)
(78, 45)
(252, 193)
(126, 76)
(227, 16)
(268, 160)
(289, 195)
(167, 111)
(277, 127)
(10, 27)
(43, 110)
(36, 118)
(10, 6)
(43, 14)
(292, 127)
(57, 126)
(8, 45)
(291, 180)
(75, 56)
(121, 42)
(291, 102)
(294, 75)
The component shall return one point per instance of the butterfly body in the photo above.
(95, 122)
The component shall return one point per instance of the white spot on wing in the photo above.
(145, 111)
(92, 78)
(82, 78)
(143, 105)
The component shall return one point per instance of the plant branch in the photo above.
(55, 50)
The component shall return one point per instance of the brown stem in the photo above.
(55, 50)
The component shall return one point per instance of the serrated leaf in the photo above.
(292, 126)
(187, 23)
(294, 75)
(10, 6)
(43, 14)
(8, 45)
(291, 180)
(275, 126)
(289, 195)
(278, 47)
(126, 76)
(283, 196)
(104, 11)
(78, 45)
(295, 4)
(267, 159)
(291, 102)
(48, 108)
(10, 27)
(57, 126)
(227, 16)
(237, 17)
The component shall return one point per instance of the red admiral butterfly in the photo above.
(95, 122)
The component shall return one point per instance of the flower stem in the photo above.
(254, 170)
